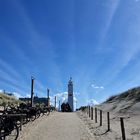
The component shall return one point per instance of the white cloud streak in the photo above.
(111, 12)
(97, 87)
(92, 102)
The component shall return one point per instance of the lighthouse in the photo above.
(70, 94)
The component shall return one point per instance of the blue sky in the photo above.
(97, 42)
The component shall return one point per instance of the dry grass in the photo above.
(8, 100)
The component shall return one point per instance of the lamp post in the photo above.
(32, 90)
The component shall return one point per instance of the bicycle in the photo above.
(8, 128)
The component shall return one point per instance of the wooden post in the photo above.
(32, 90)
(108, 121)
(100, 117)
(91, 113)
(95, 115)
(122, 129)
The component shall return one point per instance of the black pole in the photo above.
(48, 98)
(48, 92)
(32, 90)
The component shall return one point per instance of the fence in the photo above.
(94, 112)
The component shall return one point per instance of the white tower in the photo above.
(70, 94)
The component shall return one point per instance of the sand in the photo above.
(57, 126)
(78, 126)
(131, 123)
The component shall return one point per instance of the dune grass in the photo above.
(8, 100)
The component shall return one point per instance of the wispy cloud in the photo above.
(112, 7)
(40, 45)
(10, 77)
(13, 87)
(1, 90)
(97, 87)
(7, 69)
(17, 95)
(92, 102)
(28, 95)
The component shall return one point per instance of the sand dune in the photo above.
(126, 105)
(132, 126)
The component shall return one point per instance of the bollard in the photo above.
(122, 129)
(100, 117)
(108, 121)
(91, 113)
(95, 115)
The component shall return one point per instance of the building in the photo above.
(40, 100)
(70, 94)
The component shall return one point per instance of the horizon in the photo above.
(94, 42)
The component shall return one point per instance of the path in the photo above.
(59, 126)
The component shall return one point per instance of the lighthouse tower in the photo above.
(70, 94)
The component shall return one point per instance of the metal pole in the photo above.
(32, 90)
(48, 98)
(48, 92)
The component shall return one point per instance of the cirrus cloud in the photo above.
(97, 87)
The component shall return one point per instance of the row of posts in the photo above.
(90, 113)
